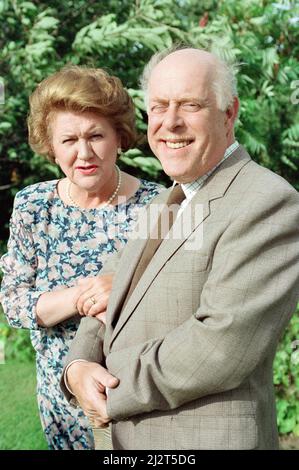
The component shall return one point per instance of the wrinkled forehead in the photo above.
(174, 77)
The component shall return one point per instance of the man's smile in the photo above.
(177, 143)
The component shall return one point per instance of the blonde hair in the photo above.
(79, 89)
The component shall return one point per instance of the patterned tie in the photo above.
(176, 196)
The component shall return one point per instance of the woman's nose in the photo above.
(84, 150)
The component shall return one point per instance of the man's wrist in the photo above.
(65, 374)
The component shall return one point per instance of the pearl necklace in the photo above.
(75, 203)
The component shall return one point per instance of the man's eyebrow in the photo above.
(192, 99)
(159, 100)
(187, 99)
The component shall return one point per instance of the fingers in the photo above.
(96, 410)
(88, 382)
(95, 294)
(98, 418)
(91, 303)
(86, 377)
(104, 377)
(94, 401)
(100, 305)
(84, 302)
(101, 317)
(98, 423)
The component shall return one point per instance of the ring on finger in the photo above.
(92, 300)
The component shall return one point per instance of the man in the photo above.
(189, 344)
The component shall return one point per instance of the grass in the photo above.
(20, 427)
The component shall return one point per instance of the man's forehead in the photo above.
(179, 85)
(181, 71)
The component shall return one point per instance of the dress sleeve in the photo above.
(19, 295)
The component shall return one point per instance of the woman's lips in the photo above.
(87, 170)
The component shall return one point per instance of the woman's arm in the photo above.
(24, 305)
(55, 307)
(19, 295)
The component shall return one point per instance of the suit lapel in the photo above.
(129, 261)
(194, 215)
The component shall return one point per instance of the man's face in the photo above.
(186, 130)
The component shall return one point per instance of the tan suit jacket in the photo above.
(194, 346)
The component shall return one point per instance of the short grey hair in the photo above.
(224, 84)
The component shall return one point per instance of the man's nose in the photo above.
(84, 150)
(173, 118)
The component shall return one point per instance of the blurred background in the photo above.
(38, 38)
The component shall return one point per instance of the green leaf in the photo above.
(5, 126)
(28, 6)
(48, 22)
(289, 163)
(288, 425)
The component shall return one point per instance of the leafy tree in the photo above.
(39, 37)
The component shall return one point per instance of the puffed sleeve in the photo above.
(19, 295)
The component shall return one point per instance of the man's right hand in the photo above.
(88, 382)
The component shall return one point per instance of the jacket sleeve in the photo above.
(19, 295)
(87, 345)
(88, 342)
(246, 302)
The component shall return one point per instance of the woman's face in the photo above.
(85, 147)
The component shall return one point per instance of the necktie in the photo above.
(176, 196)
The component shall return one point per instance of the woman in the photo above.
(63, 231)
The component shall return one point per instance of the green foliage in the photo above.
(16, 342)
(286, 379)
(38, 38)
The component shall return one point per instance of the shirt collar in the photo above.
(191, 188)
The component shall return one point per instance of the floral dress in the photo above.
(51, 245)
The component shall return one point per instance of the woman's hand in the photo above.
(94, 296)
(101, 317)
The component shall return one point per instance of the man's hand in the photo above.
(88, 382)
(95, 294)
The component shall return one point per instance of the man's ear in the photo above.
(231, 114)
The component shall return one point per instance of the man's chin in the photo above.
(179, 179)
